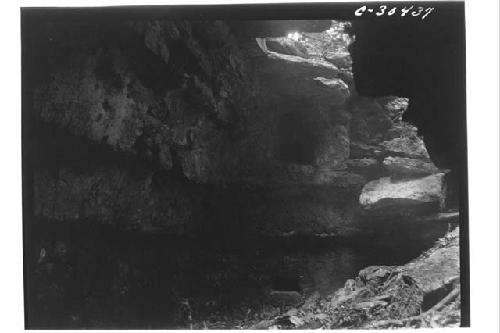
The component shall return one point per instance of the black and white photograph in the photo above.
(246, 166)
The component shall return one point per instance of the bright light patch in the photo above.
(294, 35)
(331, 31)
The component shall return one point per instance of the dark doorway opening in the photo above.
(297, 138)
(286, 283)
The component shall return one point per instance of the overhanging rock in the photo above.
(403, 166)
(385, 193)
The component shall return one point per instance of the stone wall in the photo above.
(213, 125)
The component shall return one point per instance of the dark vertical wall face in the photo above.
(425, 61)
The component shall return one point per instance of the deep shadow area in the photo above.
(297, 138)
(86, 275)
